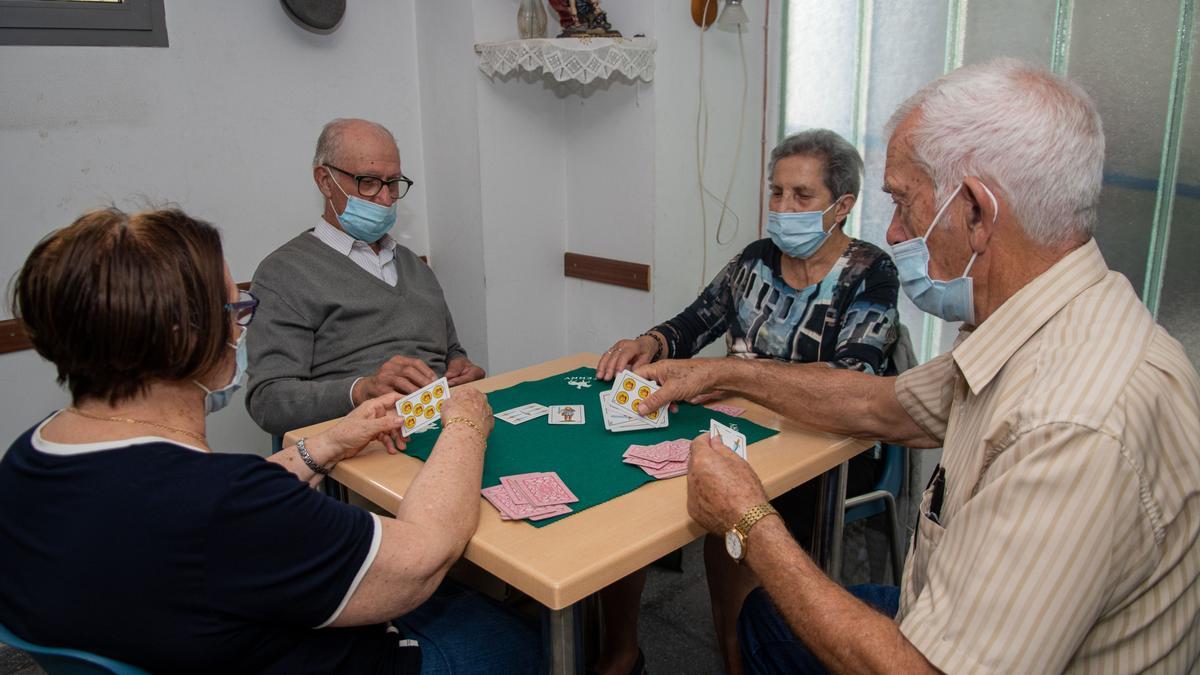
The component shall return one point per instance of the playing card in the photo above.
(660, 452)
(731, 410)
(675, 470)
(501, 498)
(510, 482)
(733, 440)
(545, 489)
(423, 407)
(566, 414)
(523, 413)
(616, 419)
(550, 512)
(628, 392)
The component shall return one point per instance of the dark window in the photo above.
(103, 23)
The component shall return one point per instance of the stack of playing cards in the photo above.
(621, 404)
(523, 414)
(661, 460)
(423, 407)
(731, 410)
(732, 438)
(530, 496)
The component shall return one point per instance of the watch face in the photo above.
(733, 545)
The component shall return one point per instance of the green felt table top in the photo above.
(586, 456)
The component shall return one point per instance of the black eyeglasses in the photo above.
(369, 186)
(244, 308)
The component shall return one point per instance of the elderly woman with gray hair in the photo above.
(808, 293)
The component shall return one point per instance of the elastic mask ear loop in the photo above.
(329, 172)
(827, 211)
(942, 211)
(995, 214)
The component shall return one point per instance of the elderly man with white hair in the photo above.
(1059, 534)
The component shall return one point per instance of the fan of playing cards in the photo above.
(423, 407)
(530, 496)
(621, 404)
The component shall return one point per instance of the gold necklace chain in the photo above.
(127, 420)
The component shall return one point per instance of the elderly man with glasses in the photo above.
(347, 313)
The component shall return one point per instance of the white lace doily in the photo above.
(571, 59)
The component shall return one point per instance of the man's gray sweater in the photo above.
(324, 321)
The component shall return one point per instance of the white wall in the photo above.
(519, 169)
(222, 122)
(678, 231)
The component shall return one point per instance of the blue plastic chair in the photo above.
(883, 500)
(62, 661)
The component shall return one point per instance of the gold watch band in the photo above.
(752, 516)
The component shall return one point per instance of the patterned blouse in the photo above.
(848, 318)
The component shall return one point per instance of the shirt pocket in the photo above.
(925, 542)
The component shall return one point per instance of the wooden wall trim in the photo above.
(13, 337)
(607, 271)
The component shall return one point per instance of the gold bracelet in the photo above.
(452, 420)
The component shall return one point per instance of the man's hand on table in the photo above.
(460, 370)
(721, 485)
(402, 374)
(680, 380)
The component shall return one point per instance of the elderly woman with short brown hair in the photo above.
(124, 535)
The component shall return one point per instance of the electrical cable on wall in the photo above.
(702, 155)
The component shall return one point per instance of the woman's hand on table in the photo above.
(626, 354)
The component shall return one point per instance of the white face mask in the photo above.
(216, 399)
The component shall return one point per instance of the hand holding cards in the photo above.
(423, 407)
(732, 439)
(622, 404)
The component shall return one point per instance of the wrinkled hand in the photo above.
(460, 370)
(680, 380)
(472, 404)
(374, 420)
(626, 354)
(721, 485)
(402, 374)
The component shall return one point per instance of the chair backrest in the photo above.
(894, 469)
(62, 661)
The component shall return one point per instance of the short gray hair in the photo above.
(843, 165)
(329, 143)
(1034, 136)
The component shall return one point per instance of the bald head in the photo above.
(349, 136)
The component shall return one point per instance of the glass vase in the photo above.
(531, 19)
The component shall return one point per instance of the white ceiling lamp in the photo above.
(733, 16)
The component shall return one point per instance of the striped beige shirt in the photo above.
(1067, 536)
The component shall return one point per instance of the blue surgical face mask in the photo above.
(364, 220)
(798, 234)
(217, 399)
(952, 300)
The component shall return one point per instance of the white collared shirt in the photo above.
(381, 265)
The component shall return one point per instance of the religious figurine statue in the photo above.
(582, 18)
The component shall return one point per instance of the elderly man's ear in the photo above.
(985, 212)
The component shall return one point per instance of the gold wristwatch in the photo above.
(737, 536)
